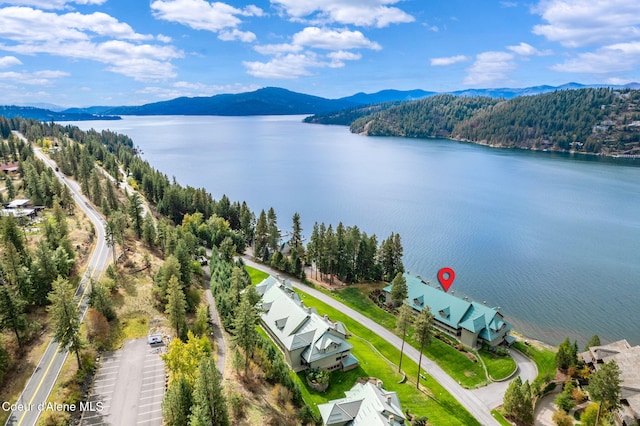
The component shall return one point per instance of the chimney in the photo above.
(389, 399)
(391, 419)
(379, 384)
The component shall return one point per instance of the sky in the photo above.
(132, 52)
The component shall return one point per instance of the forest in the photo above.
(595, 121)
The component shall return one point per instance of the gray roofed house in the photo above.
(628, 359)
(471, 323)
(366, 404)
(307, 339)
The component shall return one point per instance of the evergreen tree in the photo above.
(11, 190)
(399, 290)
(244, 325)
(177, 402)
(567, 355)
(272, 230)
(65, 317)
(209, 407)
(12, 315)
(423, 333)
(148, 231)
(176, 307)
(297, 250)
(404, 321)
(100, 300)
(604, 387)
(594, 341)
(135, 210)
(261, 238)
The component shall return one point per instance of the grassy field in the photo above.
(257, 276)
(499, 367)
(377, 359)
(544, 358)
(500, 418)
(466, 372)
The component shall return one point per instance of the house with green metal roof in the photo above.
(306, 339)
(472, 323)
(366, 404)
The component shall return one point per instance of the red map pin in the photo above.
(446, 277)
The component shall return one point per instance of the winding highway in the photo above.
(31, 402)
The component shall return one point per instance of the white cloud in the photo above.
(235, 34)
(52, 4)
(274, 49)
(288, 66)
(448, 60)
(620, 81)
(490, 68)
(9, 61)
(191, 89)
(338, 58)
(96, 37)
(368, 13)
(323, 38)
(575, 23)
(608, 59)
(525, 49)
(37, 78)
(216, 17)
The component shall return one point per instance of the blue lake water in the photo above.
(553, 240)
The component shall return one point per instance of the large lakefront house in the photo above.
(628, 359)
(307, 339)
(472, 323)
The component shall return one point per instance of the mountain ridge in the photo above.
(273, 101)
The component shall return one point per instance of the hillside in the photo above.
(41, 114)
(599, 121)
(267, 101)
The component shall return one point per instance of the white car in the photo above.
(155, 338)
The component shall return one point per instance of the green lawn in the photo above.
(466, 372)
(545, 359)
(500, 418)
(377, 359)
(257, 276)
(499, 367)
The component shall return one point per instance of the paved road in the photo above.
(493, 394)
(128, 387)
(39, 386)
(479, 404)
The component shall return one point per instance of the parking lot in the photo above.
(128, 387)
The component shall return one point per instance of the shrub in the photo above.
(564, 401)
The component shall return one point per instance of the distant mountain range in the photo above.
(268, 101)
(42, 114)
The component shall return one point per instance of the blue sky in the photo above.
(124, 52)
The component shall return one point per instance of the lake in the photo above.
(552, 239)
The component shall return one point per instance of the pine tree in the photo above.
(399, 290)
(423, 333)
(176, 306)
(177, 402)
(12, 313)
(404, 321)
(604, 387)
(209, 407)
(244, 325)
(65, 317)
(261, 238)
(135, 213)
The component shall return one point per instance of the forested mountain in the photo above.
(602, 121)
(40, 114)
(267, 101)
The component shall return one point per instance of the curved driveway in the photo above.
(478, 402)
